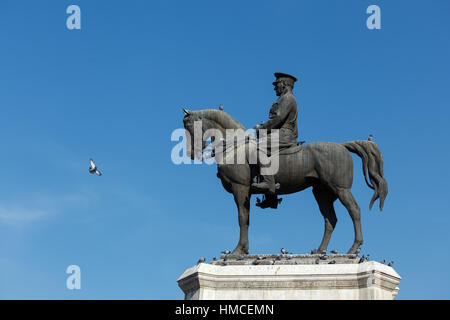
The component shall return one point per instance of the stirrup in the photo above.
(268, 201)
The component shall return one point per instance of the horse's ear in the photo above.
(186, 112)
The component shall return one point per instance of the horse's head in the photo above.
(202, 125)
(190, 118)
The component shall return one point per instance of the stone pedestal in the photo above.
(295, 278)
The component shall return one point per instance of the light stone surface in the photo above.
(341, 281)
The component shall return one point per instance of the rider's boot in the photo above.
(267, 186)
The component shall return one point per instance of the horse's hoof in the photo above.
(237, 253)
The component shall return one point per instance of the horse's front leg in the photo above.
(241, 195)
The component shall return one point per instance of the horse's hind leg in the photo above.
(241, 195)
(349, 202)
(325, 198)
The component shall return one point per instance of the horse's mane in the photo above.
(221, 117)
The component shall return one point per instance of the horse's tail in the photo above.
(372, 161)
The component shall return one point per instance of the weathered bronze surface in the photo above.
(325, 166)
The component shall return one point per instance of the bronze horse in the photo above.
(325, 166)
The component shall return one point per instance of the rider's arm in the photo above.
(277, 120)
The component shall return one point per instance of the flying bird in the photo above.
(93, 168)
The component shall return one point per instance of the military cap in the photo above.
(285, 77)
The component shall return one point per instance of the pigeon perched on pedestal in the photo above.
(283, 251)
(226, 252)
(391, 264)
(93, 168)
(334, 251)
(221, 107)
(201, 260)
(370, 138)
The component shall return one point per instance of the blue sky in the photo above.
(114, 90)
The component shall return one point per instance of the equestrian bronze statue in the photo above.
(325, 166)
